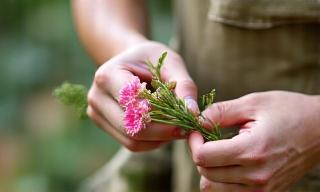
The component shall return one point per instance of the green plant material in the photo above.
(74, 95)
(168, 109)
(207, 99)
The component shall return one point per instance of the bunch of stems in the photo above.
(168, 109)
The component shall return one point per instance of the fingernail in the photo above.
(192, 105)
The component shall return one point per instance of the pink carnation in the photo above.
(130, 92)
(136, 109)
(136, 116)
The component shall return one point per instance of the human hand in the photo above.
(279, 141)
(105, 111)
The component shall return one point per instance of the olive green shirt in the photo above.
(245, 46)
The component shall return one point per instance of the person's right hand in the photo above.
(103, 106)
(278, 142)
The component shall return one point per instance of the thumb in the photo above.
(228, 113)
(174, 70)
(187, 90)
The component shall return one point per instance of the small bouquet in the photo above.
(158, 104)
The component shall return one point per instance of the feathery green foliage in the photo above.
(74, 95)
(168, 109)
(207, 99)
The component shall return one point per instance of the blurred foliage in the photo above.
(161, 20)
(43, 146)
(74, 95)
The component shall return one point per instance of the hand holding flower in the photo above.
(143, 118)
(103, 106)
(279, 136)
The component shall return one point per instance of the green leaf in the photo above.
(160, 63)
(161, 60)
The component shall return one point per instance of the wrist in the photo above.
(133, 39)
(116, 44)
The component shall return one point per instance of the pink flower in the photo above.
(136, 116)
(136, 109)
(129, 92)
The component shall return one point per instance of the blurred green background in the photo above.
(43, 146)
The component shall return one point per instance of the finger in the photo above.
(107, 107)
(228, 113)
(174, 70)
(230, 174)
(217, 153)
(212, 186)
(160, 132)
(195, 142)
(115, 115)
(114, 74)
(250, 176)
(187, 90)
(105, 125)
(132, 145)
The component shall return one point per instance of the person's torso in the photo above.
(243, 46)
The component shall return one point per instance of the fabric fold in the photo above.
(261, 14)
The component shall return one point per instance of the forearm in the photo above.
(107, 27)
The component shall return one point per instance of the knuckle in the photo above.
(253, 99)
(259, 158)
(188, 84)
(203, 171)
(199, 159)
(205, 185)
(176, 57)
(221, 108)
(260, 179)
(254, 158)
(254, 95)
(257, 154)
(101, 78)
(90, 113)
(91, 98)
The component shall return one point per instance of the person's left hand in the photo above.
(279, 141)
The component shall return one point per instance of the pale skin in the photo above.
(279, 130)
(279, 141)
(114, 33)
